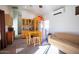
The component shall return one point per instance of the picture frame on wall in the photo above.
(77, 10)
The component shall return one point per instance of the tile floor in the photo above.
(19, 47)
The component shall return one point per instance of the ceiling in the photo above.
(46, 9)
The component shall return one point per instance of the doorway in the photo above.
(45, 30)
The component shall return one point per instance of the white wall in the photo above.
(27, 14)
(65, 22)
(6, 9)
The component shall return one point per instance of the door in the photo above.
(3, 41)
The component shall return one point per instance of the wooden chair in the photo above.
(25, 35)
(27, 38)
(36, 37)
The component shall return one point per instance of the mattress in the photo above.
(67, 45)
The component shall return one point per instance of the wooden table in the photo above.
(29, 34)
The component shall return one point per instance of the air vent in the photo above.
(15, 7)
(59, 11)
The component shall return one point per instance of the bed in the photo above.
(68, 43)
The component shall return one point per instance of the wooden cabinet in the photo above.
(10, 37)
(30, 24)
(3, 43)
(27, 24)
(30, 31)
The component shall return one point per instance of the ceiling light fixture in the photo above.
(40, 6)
